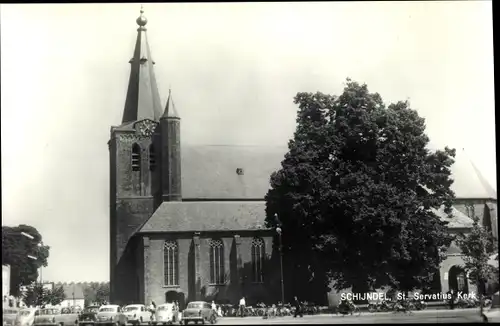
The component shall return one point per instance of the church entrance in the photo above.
(457, 279)
(172, 296)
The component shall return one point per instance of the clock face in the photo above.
(146, 128)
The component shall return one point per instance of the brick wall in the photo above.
(192, 288)
(131, 204)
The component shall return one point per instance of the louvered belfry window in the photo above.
(217, 275)
(258, 252)
(171, 263)
(136, 158)
(152, 158)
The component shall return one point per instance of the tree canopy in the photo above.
(38, 295)
(477, 246)
(96, 293)
(357, 190)
(15, 251)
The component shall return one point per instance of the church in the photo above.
(187, 222)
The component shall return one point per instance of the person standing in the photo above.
(298, 308)
(242, 306)
(152, 309)
(451, 299)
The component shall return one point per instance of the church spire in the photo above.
(170, 111)
(143, 98)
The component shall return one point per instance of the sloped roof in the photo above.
(206, 216)
(457, 220)
(469, 182)
(210, 171)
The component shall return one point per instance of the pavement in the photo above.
(432, 316)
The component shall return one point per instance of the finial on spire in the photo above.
(142, 21)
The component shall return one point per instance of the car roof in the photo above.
(198, 302)
(110, 306)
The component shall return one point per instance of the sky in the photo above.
(234, 70)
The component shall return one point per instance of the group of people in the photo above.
(217, 309)
(296, 303)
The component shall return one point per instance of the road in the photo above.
(425, 317)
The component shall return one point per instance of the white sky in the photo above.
(234, 70)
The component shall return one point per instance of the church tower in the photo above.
(144, 167)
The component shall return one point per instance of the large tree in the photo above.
(357, 192)
(16, 252)
(38, 295)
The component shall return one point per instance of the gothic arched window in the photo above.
(152, 158)
(171, 263)
(217, 275)
(258, 252)
(136, 158)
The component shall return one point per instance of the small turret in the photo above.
(170, 124)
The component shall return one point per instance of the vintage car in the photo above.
(9, 316)
(165, 314)
(26, 317)
(199, 311)
(492, 314)
(88, 316)
(55, 317)
(111, 314)
(137, 314)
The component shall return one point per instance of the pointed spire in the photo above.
(143, 98)
(486, 186)
(170, 111)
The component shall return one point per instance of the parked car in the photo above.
(26, 317)
(88, 317)
(165, 314)
(55, 316)
(199, 311)
(137, 314)
(492, 314)
(9, 316)
(111, 315)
